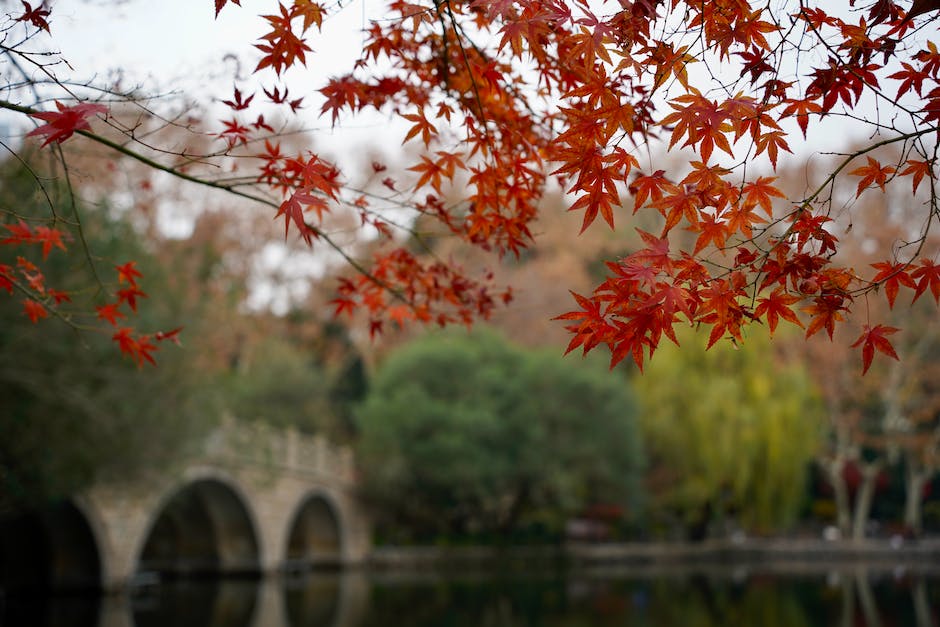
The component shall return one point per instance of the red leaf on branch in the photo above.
(35, 310)
(872, 339)
(776, 306)
(128, 273)
(20, 233)
(139, 348)
(58, 296)
(49, 238)
(36, 17)
(928, 274)
(312, 12)
(110, 313)
(282, 47)
(874, 172)
(130, 295)
(892, 276)
(66, 121)
(917, 170)
(6, 278)
(826, 311)
(237, 103)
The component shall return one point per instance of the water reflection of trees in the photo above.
(840, 599)
(859, 598)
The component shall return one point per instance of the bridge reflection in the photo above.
(312, 599)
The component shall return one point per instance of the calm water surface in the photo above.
(883, 598)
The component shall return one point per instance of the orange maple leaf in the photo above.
(874, 172)
(918, 170)
(777, 306)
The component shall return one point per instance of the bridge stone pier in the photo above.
(252, 500)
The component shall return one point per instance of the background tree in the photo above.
(69, 412)
(470, 435)
(736, 440)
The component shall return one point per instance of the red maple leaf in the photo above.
(130, 295)
(36, 17)
(110, 313)
(927, 274)
(61, 124)
(58, 296)
(293, 210)
(237, 103)
(6, 278)
(343, 304)
(128, 272)
(139, 348)
(20, 233)
(35, 310)
(282, 47)
(48, 237)
(893, 276)
(873, 338)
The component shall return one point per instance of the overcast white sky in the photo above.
(181, 43)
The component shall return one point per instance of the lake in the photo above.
(674, 597)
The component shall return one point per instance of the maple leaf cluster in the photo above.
(502, 99)
(564, 92)
(39, 299)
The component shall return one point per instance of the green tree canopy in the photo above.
(469, 434)
(731, 428)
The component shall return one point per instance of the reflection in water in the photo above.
(33, 610)
(196, 603)
(714, 599)
(312, 601)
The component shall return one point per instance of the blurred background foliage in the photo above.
(468, 435)
(732, 436)
(71, 410)
(461, 437)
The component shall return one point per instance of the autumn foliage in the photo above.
(502, 100)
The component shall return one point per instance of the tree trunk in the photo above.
(864, 499)
(834, 469)
(915, 478)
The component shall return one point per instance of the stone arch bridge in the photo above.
(255, 499)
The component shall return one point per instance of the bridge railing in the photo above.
(242, 442)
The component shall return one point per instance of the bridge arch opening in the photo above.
(49, 549)
(203, 529)
(315, 539)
